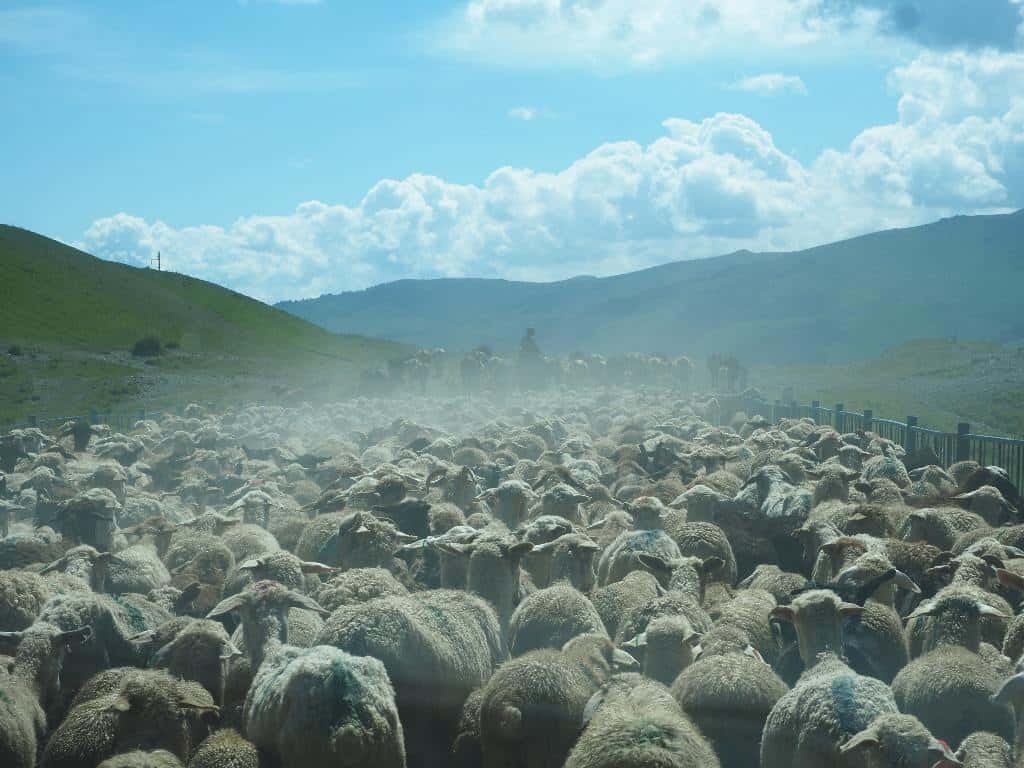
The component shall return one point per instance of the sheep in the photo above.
(550, 617)
(33, 679)
(563, 501)
(985, 750)
(90, 518)
(437, 647)
(266, 624)
(321, 706)
(569, 557)
(108, 645)
(532, 708)
(493, 572)
(84, 563)
(136, 569)
(467, 751)
(617, 600)
(667, 646)
(247, 541)
(509, 502)
(635, 723)
(942, 526)
(988, 502)
(157, 758)
(225, 749)
(950, 686)
(874, 642)
(198, 652)
(705, 540)
(897, 741)
(729, 692)
(147, 711)
(22, 596)
(350, 540)
(773, 579)
(623, 554)
(830, 703)
(281, 566)
(357, 585)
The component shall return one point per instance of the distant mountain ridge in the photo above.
(958, 277)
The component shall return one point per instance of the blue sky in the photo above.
(291, 148)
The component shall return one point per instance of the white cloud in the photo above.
(523, 113)
(615, 35)
(770, 84)
(704, 187)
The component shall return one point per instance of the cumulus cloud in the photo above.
(704, 187)
(770, 84)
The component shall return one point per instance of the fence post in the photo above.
(33, 421)
(142, 414)
(963, 442)
(868, 420)
(776, 411)
(910, 442)
(838, 425)
(815, 408)
(793, 409)
(94, 417)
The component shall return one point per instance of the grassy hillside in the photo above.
(71, 320)
(834, 303)
(941, 381)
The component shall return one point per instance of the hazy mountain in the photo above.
(959, 277)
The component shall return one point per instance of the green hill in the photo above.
(834, 303)
(71, 320)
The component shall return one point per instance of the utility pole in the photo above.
(157, 260)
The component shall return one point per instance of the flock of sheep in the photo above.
(590, 580)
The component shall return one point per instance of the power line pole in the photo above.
(157, 260)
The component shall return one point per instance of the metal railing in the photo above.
(950, 447)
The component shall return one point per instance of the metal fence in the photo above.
(950, 447)
(122, 421)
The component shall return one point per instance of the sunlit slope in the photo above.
(74, 319)
(833, 303)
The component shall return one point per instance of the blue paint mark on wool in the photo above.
(851, 717)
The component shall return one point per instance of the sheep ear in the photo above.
(783, 613)
(311, 567)
(296, 600)
(863, 740)
(13, 637)
(988, 610)
(900, 579)
(596, 525)
(188, 702)
(543, 549)
(1010, 579)
(251, 565)
(519, 549)
(640, 641)
(653, 562)
(453, 548)
(404, 538)
(849, 609)
(586, 546)
(1012, 690)
(694, 639)
(120, 704)
(994, 560)
(711, 565)
(228, 605)
(55, 565)
(593, 705)
(924, 609)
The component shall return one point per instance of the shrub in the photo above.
(147, 346)
(14, 350)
